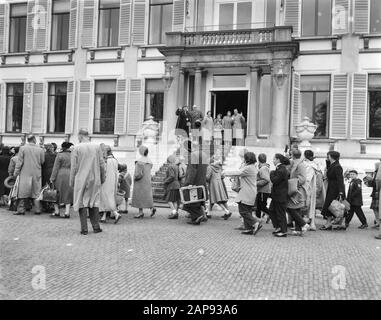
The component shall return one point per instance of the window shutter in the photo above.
(121, 107)
(70, 102)
(2, 107)
(139, 22)
(340, 16)
(3, 27)
(73, 24)
(41, 22)
(292, 16)
(339, 107)
(89, 14)
(27, 108)
(178, 15)
(359, 106)
(125, 22)
(135, 106)
(29, 25)
(361, 16)
(85, 90)
(295, 102)
(38, 107)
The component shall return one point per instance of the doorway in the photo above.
(224, 101)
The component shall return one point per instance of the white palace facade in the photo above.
(107, 65)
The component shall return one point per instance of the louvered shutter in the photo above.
(178, 16)
(339, 107)
(3, 27)
(125, 22)
(85, 90)
(295, 103)
(41, 25)
(70, 102)
(38, 107)
(359, 108)
(135, 106)
(27, 108)
(88, 24)
(30, 25)
(361, 16)
(139, 22)
(73, 24)
(293, 16)
(340, 16)
(121, 107)
(2, 107)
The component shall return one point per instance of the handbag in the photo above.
(337, 208)
(292, 186)
(236, 184)
(49, 193)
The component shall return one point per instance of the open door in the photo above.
(213, 106)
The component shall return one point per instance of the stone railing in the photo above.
(228, 37)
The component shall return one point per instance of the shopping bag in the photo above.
(48, 193)
(337, 208)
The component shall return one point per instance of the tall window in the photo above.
(374, 106)
(375, 16)
(57, 107)
(104, 111)
(315, 91)
(154, 99)
(160, 20)
(270, 13)
(60, 24)
(15, 97)
(17, 36)
(108, 31)
(316, 18)
(235, 15)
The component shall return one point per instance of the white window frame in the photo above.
(235, 2)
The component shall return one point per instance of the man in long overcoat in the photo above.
(87, 174)
(30, 160)
(183, 121)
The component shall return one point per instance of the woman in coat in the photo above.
(218, 128)
(217, 189)
(61, 179)
(109, 188)
(297, 201)
(47, 167)
(207, 128)
(5, 159)
(247, 194)
(336, 188)
(172, 187)
(142, 190)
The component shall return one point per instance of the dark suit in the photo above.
(335, 186)
(355, 200)
(183, 122)
(279, 180)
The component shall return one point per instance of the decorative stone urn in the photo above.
(150, 131)
(305, 131)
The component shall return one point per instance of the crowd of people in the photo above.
(88, 177)
(228, 130)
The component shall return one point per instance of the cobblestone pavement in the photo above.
(168, 259)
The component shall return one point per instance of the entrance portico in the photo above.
(204, 62)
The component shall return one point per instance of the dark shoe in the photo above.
(195, 223)
(55, 215)
(280, 235)
(153, 212)
(103, 221)
(248, 232)
(37, 213)
(141, 216)
(340, 228)
(257, 227)
(226, 216)
(290, 225)
(324, 228)
(66, 216)
(98, 230)
(173, 216)
(363, 226)
(209, 216)
(19, 214)
(84, 233)
(276, 231)
(117, 218)
(378, 237)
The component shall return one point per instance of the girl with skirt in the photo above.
(172, 187)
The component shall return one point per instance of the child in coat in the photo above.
(355, 200)
(124, 184)
(172, 186)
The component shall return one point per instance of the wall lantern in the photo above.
(279, 73)
(168, 77)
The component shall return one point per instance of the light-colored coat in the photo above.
(248, 182)
(61, 177)
(238, 131)
(217, 188)
(110, 187)
(28, 166)
(12, 165)
(87, 175)
(311, 169)
(207, 128)
(263, 179)
(298, 171)
(142, 191)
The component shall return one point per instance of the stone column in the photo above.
(197, 87)
(180, 95)
(280, 114)
(253, 106)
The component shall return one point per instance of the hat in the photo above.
(353, 170)
(10, 182)
(66, 145)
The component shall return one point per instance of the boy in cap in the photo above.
(355, 200)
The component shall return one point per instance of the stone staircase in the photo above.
(158, 185)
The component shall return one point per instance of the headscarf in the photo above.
(143, 158)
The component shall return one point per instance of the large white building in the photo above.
(109, 64)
